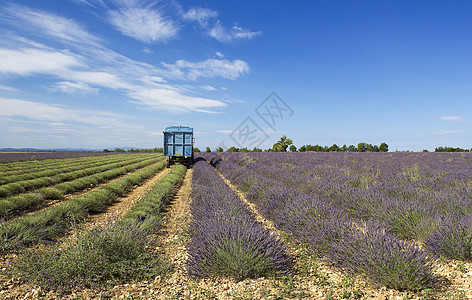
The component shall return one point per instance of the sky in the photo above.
(115, 73)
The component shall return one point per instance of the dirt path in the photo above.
(123, 204)
(170, 243)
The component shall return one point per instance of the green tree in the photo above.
(233, 149)
(302, 148)
(208, 149)
(333, 148)
(220, 149)
(244, 150)
(282, 144)
(383, 147)
(352, 148)
(196, 150)
(293, 148)
(361, 147)
(256, 149)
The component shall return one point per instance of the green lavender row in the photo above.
(48, 224)
(24, 202)
(110, 254)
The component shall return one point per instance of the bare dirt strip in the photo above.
(123, 204)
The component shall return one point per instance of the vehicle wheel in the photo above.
(190, 162)
(168, 161)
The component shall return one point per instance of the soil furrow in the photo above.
(123, 204)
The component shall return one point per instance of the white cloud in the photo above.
(225, 131)
(208, 88)
(143, 24)
(29, 61)
(454, 119)
(147, 50)
(200, 15)
(172, 100)
(55, 114)
(210, 68)
(224, 35)
(155, 79)
(85, 67)
(104, 79)
(242, 33)
(68, 87)
(7, 88)
(219, 54)
(42, 22)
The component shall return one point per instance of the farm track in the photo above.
(123, 204)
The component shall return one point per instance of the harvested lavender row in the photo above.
(115, 252)
(226, 240)
(345, 241)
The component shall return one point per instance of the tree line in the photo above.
(132, 150)
(286, 144)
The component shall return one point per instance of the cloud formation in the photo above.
(453, 119)
(143, 24)
(210, 68)
(90, 66)
(30, 61)
(56, 114)
(199, 15)
(68, 87)
(222, 34)
(47, 24)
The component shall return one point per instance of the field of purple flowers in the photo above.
(385, 216)
(225, 237)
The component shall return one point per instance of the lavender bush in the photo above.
(453, 239)
(383, 257)
(225, 238)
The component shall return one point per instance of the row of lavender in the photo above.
(422, 197)
(226, 240)
(332, 201)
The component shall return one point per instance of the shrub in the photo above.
(50, 193)
(102, 256)
(453, 239)
(384, 258)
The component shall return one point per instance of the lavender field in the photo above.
(389, 217)
(21, 156)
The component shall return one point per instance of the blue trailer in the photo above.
(178, 144)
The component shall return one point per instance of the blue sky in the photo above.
(115, 73)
